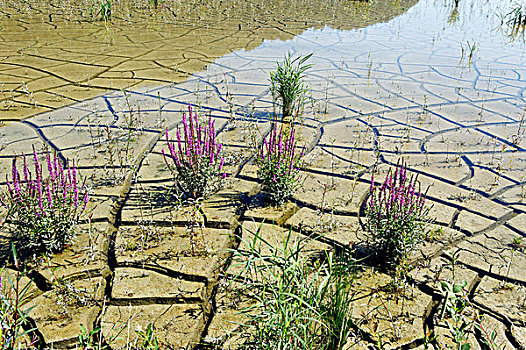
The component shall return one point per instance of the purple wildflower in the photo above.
(196, 155)
(395, 214)
(37, 197)
(278, 163)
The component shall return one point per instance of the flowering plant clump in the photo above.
(396, 215)
(278, 164)
(196, 158)
(44, 212)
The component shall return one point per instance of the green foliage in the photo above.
(396, 216)
(87, 340)
(278, 164)
(517, 243)
(299, 304)
(195, 158)
(455, 303)
(13, 318)
(463, 317)
(147, 339)
(96, 340)
(286, 84)
(517, 15)
(43, 212)
(336, 296)
(101, 10)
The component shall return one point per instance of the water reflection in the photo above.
(59, 52)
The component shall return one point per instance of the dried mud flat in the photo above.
(459, 128)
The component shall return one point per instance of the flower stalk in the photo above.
(43, 211)
(195, 158)
(396, 215)
(278, 163)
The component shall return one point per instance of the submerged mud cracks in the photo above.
(56, 54)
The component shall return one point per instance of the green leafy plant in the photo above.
(396, 216)
(43, 212)
(278, 164)
(96, 340)
(463, 316)
(517, 15)
(87, 340)
(101, 9)
(287, 84)
(455, 304)
(299, 304)
(517, 243)
(195, 159)
(13, 319)
(515, 21)
(147, 338)
(469, 50)
(336, 294)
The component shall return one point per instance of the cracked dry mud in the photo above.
(386, 92)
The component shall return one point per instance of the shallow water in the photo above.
(422, 57)
(411, 86)
(409, 83)
(54, 54)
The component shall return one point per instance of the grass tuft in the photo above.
(287, 84)
(300, 303)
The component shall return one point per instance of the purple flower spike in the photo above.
(49, 197)
(278, 162)
(41, 209)
(27, 177)
(195, 157)
(16, 178)
(50, 167)
(395, 215)
(75, 189)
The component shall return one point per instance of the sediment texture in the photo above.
(134, 263)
